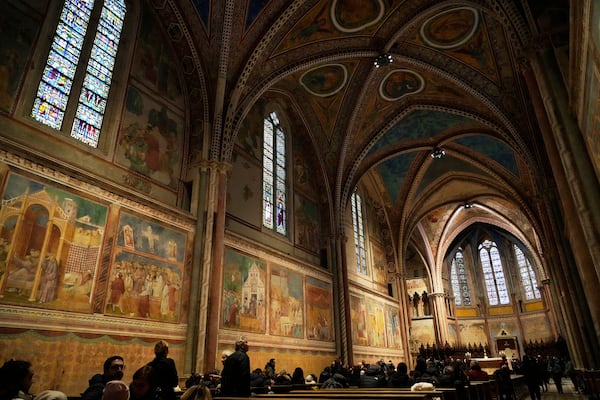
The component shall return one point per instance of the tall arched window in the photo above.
(493, 274)
(458, 277)
(527, 275)
(274, 175)
(64, 61)
(359, 234)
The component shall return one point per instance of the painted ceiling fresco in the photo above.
(449, 76)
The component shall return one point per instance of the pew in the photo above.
(335, 395)
(479, 390)
(448, 393)
(364, 393)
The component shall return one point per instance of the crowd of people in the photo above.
(447, 373)
(157, 379)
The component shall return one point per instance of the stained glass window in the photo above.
(274, 175)
(493, 273)
(359, 234)
(458, 277)
(52, 97)
(527, 275)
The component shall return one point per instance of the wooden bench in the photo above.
(324, 395)
(479, 390)
(360, 393)
(446, 393)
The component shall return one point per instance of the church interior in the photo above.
(352, 179)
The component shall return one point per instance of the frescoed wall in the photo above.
(257, 291)
(452, 338)
(146, 273)
(150, 139)
(63, 243)
(50, 241)
(376, 326)
(358, 316)
(472, 332)
(306, 223)
(374, 323)
(286, 303)
(537, 328)
(393, 328)
(244, 191)
(379, 264)
(243, 305)
(319, 310)
(423, 332)
(154, 61)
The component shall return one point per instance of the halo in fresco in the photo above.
(355, 15)
(326, 80)
(399, 83)
(451, 28)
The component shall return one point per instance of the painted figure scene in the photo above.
(143, 287)
(50, 243)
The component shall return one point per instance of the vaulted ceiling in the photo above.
(453, 81)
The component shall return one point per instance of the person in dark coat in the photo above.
(531, 375)
(298, 376)
(400, 378)
(269, 369)
(325, 374)
(113, 371)
(373, 377)
(235, 377)
(164, 370)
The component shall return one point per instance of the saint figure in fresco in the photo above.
(49, 281)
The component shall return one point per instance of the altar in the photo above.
(491, 364)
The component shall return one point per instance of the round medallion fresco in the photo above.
(325, 80)
(355, 15)
(399, 83)
(451, 28)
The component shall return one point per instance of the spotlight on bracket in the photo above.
(383, 60)
(438, 153)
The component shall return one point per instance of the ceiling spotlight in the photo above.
(383, 60)
(468, 205)
(438, 153)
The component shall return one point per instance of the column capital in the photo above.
(219, 166)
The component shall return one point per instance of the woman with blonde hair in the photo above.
(197, 392)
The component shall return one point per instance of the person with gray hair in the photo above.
(235, 377)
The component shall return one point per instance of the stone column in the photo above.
(196, 330)
(212, 270)
(343, 301)
(438, 307)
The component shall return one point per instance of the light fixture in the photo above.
(438, 153)
(468, 205)
(383, 60)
